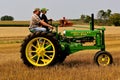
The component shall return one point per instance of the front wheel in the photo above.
(103, 58)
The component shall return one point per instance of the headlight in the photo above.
(64, 32)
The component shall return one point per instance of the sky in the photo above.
(71, 9)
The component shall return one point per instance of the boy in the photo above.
(44, 17)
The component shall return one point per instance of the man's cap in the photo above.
(44, 9)
(37, 9)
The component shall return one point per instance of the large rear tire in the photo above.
(40, 49)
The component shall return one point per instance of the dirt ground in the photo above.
(78, 66)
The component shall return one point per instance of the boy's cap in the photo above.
(44, 9)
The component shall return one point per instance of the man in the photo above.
(36, 22)
(44, 17)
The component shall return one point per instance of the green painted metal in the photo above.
(80, 33)
(74, 47)
(69, 43)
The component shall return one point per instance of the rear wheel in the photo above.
(103, 58)
(40, 49)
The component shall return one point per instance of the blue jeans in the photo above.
(37, 29)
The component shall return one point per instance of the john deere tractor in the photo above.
(41, 49)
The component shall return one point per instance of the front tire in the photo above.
(103, 58)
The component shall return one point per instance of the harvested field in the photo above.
(78, 66)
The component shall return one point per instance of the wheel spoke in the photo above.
(50, 51)
(34, 46)
(47, 56)
(43, 43)
(47, 46)
(38, 59)
(45, 60)
(38, 44)
(32, 51)
(33, 56)
(42, 57)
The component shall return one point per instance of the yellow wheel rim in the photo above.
(103, 60)
(40, 51)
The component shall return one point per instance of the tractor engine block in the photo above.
(78, 40)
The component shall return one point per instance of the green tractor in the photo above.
(49, 48)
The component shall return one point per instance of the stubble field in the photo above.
(78, 66)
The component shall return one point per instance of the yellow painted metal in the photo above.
(103, 60)
(43, 52)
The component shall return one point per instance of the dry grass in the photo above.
(14, 22)
(78, 66)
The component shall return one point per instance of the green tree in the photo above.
(115, 19)
(7, 18)
(82, 17)
(87, 19)
(108, 14)
(103, 17)
(101, 14)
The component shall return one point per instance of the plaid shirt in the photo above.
(35, 21)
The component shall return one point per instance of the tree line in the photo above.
(103, 18)
(7, 18)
